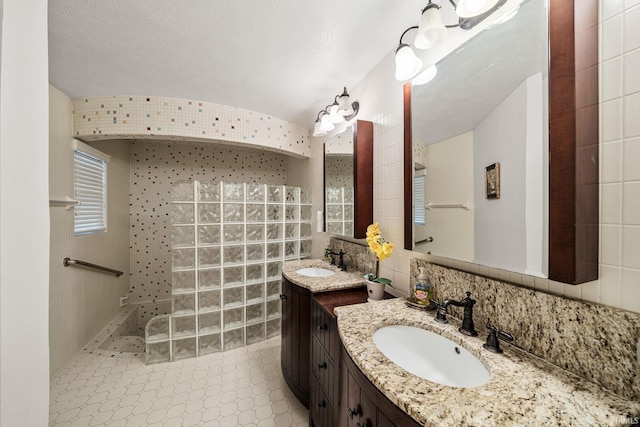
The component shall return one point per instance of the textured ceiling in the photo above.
(287, 58)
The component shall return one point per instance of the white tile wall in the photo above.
(380, 97)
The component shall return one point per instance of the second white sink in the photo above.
(315, 272)
(430, 356)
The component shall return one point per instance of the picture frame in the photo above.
(492, 181)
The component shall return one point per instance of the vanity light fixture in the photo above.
(408, 65)
(341, 110)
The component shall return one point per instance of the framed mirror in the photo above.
(479, 183)
(348, 181)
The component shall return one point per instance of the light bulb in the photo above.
(325, 123)
(407, 63)
(334, 116)
(316, 129)
(344, 104)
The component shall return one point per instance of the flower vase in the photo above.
(375, 291)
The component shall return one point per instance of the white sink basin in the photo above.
(430, 356)
(315, 272)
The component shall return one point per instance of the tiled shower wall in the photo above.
(155, 165)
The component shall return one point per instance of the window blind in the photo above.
(419, 199)
(90, 188)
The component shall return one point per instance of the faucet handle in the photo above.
(441, 312)
(495, 335)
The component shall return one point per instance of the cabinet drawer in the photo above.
(323, 369)
(320, 408)
(324, 328)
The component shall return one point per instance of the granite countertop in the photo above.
(523, 390)
(340, 280)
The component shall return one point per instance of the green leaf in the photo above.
(383, 281)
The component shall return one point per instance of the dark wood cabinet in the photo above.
(295, 335)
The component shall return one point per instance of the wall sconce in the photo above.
(340, 111)
(431, 30)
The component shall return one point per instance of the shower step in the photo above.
(126, 344)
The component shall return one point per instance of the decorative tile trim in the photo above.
(593, 341)
(142, 117)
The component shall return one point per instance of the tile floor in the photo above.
(240, 387)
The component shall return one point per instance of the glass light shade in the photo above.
(334, 116)
(426, 76)
(316, 129)
(407, 63)
(471, 8)
(325, 123)
(431, 29)
(344, 105)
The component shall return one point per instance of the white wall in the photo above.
(24, 215)
(83, 301)
(380, 97)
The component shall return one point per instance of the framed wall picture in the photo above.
(492, 181)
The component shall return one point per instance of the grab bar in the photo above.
(68, 261)
(464, 205)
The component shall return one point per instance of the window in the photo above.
(419, 199)
(90, 189)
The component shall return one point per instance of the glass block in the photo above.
(233, 212)
(255, 333)
(208, 191)
(255, 312)
(233, 276)
(157, 328)
(209, 213)
(233, 296)
(209, 322)
(182, 191)
(255, 292)
(334, 227)
(183, 258)
(209, 344)
(274, 250)
(275, 193)
(292, 195)
(273, 288)
(274, 212)
(305, 247)
(348, 195)
(209, 257)
(183, 303)
(255, 213)
(333, 195)
(209, 235)
(290, 249)
(305, 230)
(184, 348)
(274, 231)
(183, 281)
(182, 213)
(348, 212)
(305, 196)
(233, 192)
(273, 328)
(274, 269)
(255, 232)
(208, 301)
(233, 317)
(255, 253)
(255, 192)
(182, 236)
(254, 272)
(183, 326)
(334, 212)
(233, 255)
(158, 352)
(305, 213)
(348, 228)
(234, 233)
(273, 308)
(292, 213)
(233, 339)
(291, 231)
(209, 279)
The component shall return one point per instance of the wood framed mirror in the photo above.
(573, 127)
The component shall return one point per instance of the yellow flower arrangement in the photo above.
(379, 246)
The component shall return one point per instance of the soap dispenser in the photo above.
(422, 290)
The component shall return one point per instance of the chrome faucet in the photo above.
(467, 327)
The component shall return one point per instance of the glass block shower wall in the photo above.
(339, 206)
(228, 243)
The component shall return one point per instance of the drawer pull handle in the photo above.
(353, 412)
(283, 296)
(321, 405)
(322, 365)
(323, 327)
